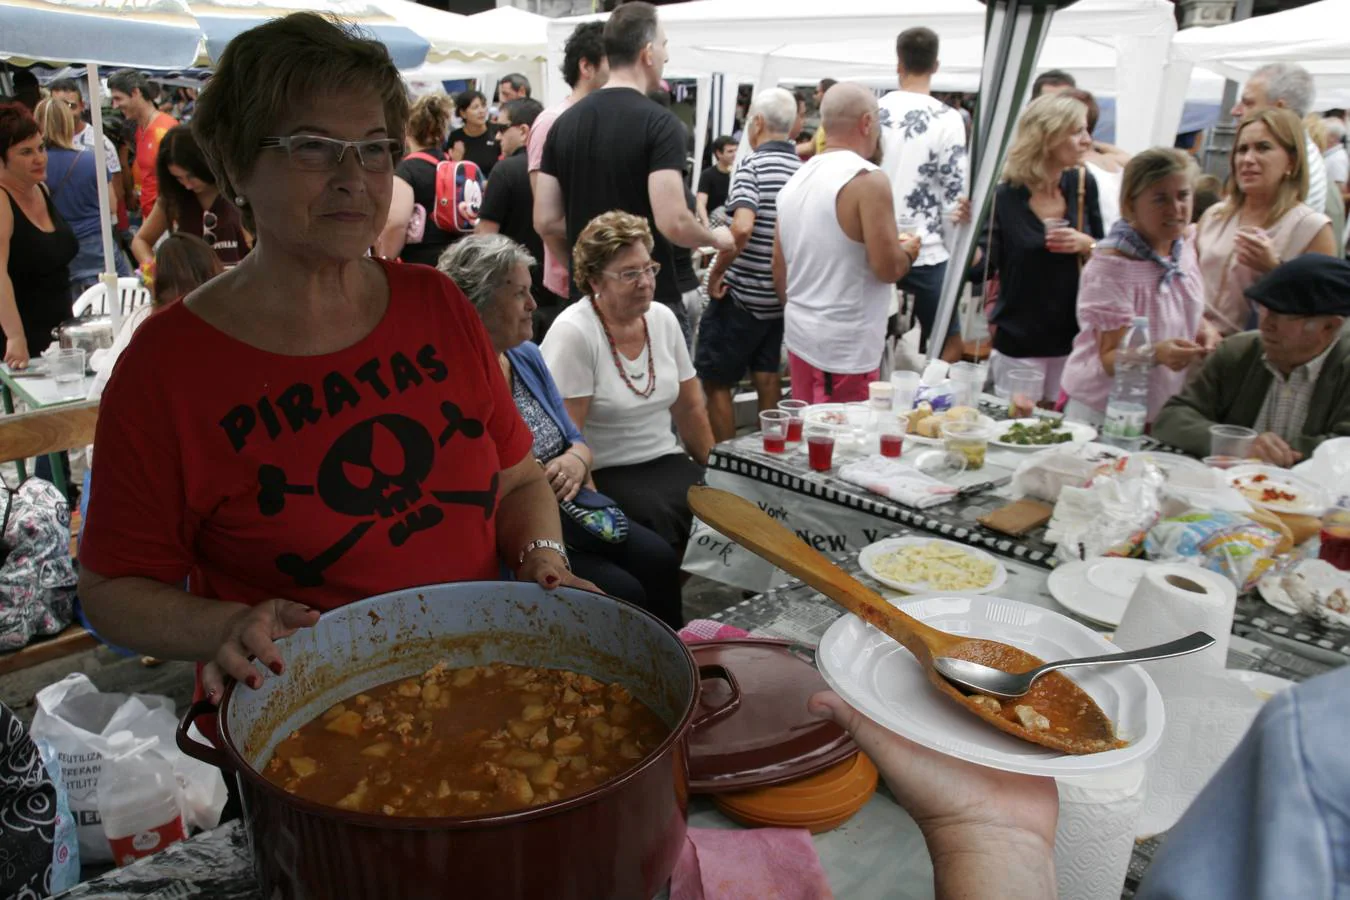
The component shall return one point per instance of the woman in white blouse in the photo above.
(624, 372)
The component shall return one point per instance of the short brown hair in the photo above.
(917, 50)
(629, 30)
(603, 238)
(279, 65)
(429, 120)
(57, 123)
(1287, 129)
(1148, 168)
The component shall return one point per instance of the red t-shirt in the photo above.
(147, 152)
(321, 479)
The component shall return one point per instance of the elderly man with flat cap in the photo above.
(1289, 379)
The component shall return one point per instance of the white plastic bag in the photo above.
(76, 719)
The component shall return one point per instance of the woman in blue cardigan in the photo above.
(637, 566)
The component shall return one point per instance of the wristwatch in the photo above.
(544, 544)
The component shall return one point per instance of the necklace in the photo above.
(618, 362)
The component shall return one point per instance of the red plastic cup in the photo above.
(892, 444)
(773, 424)
(820, 450)
(795, 409)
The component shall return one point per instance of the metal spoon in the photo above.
(997, 683)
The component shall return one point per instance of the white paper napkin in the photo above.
(899, 481)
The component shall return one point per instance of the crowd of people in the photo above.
(541, 391)
(807, 242)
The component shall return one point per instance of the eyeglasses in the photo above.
(320, 154)
(209, 222)
(631, 277)
(71, 104)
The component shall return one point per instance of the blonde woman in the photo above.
(73, 182)
(1262, 222)
(622, 367)
(1046, 223)
(415, 185)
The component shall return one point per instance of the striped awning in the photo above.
(222, 20)
(158, 34)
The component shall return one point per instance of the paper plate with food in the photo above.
(925, 425)
(1278, 490)
(1309, 587)
(920, 565)
(1037, 433)
(883, 681)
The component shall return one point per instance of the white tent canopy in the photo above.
(486, 46)
(1316, 36)
(1119, 45)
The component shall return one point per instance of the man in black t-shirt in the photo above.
(615, 149)
(715, 182)
(508, 204)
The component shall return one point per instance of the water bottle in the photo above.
(1127, 407)
(138, 799)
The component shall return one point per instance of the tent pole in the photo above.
(109, 276)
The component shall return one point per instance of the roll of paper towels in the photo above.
(1207, 712)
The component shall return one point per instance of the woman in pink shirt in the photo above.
(1144, 267)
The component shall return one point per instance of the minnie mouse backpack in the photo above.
(459, 194)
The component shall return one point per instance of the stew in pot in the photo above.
(465, 742)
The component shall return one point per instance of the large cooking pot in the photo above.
(619, 840)
(87, 333)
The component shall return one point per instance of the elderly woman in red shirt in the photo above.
(314, 426)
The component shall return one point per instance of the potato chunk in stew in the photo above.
(469, 741)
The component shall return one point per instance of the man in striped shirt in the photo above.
(742, 328)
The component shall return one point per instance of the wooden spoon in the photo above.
(1076, 724)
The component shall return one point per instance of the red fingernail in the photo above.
(255, 681)
(550, 580)
(276, 668)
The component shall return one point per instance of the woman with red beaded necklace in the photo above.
(624, 372)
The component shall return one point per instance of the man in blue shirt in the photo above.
(1273, 822)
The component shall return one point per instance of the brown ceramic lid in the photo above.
(819, 802)
(753, 729)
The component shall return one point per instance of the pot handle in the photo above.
(195, 749)
(733, 703)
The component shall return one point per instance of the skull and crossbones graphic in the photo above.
(375, 472)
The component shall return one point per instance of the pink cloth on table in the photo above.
(556, 274)
(1114, 290)
(753, 864)
(709, 630)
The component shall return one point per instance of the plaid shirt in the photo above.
(1286, 406)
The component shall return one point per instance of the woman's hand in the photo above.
(457, 151)
(249, 635)
(566, 474)
(1068, 240)
(546, 568)
(1255, 250)
(16, 352)
(1177, 353)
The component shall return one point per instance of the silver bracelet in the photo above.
(544, 544)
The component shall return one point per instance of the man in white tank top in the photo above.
(836, 254)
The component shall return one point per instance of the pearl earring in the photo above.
(240, 201)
